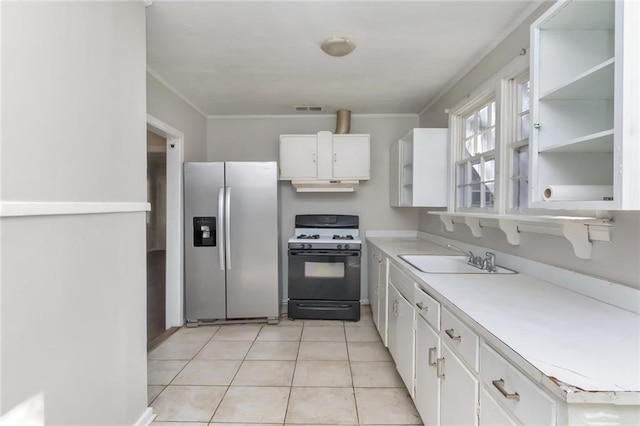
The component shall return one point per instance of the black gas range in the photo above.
(324, 268)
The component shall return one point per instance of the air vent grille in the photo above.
(308, 108)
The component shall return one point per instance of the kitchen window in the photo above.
(476, 169)
(490, 137)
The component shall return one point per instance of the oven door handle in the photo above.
(324, 253)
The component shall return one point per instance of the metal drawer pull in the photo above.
(432, 355)
(421, 306)
(440, 368)
(499, 384)
(450, 334)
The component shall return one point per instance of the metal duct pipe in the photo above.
(343, 121)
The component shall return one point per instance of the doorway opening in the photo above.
(164, 225)
(156, 236)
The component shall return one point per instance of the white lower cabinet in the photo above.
(373, 284)
(427, 384)
(491, 413)
(519, 396)
(383, 290)
(459, 391)
(401, 338)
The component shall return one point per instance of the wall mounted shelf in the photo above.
(579, 231)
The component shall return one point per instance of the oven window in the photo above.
(323, 270)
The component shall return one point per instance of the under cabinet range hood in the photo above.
(325, 185)
(325, 162)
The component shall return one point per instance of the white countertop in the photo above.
(585, 344)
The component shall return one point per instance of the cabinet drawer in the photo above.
(401, 281)
(531, 405)
(427, 307)
(460, 338)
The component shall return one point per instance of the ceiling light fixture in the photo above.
(337, 46)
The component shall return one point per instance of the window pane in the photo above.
(524, 127)
(475, 195)
(483, 118)
(475, 171)
(469, 151)
(524, 93)
(523, 161)
(462, 174)
(520, 193)
(489, 140)
(469, 125)
(489, 169)
(489, 197)
(464, 197)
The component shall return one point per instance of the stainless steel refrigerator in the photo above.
(231, 241)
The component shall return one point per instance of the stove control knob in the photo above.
(346, 246)
(309, 246)
(339, 246)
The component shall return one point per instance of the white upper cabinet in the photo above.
(418, 169)
(585, 144)
(298, 157)
(325, 162)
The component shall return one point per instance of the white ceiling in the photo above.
(262, 57)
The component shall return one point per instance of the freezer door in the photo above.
(204, 274)
(252, 249)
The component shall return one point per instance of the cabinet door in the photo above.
(373, 283)
(405, 350)
(392, 321)
(491, 414)
(383, 301)
(459, 392)
(427, 397)
(351, 157)
(298, 157)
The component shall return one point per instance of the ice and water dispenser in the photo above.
(204, 231)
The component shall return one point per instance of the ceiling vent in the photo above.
(308, 108)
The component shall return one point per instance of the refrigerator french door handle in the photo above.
(227, 226)
(219, 226)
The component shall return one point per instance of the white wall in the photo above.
(616, 260)
(257, 139)
(167, 107)
(73, 334)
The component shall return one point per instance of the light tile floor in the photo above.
(296, 372)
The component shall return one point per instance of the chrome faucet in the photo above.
(488, 263)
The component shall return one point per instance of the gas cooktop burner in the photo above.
(308, 237)
(343, 237)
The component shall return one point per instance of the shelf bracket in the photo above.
(448, 222)
(510, 229)
(474, 224)
(578, 236)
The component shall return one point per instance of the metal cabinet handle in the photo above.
(499, 384)
(432, 355)
(314, 157)
(335, 157)
(395, 308)
(452, 336)
(421, 306)
(440, 368)
(536, 125)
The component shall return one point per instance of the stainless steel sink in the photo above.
(436, 264)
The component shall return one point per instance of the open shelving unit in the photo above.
(580, 102)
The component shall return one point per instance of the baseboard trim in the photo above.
(35, 208)
(146, 418)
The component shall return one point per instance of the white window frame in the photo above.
(500, 87)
